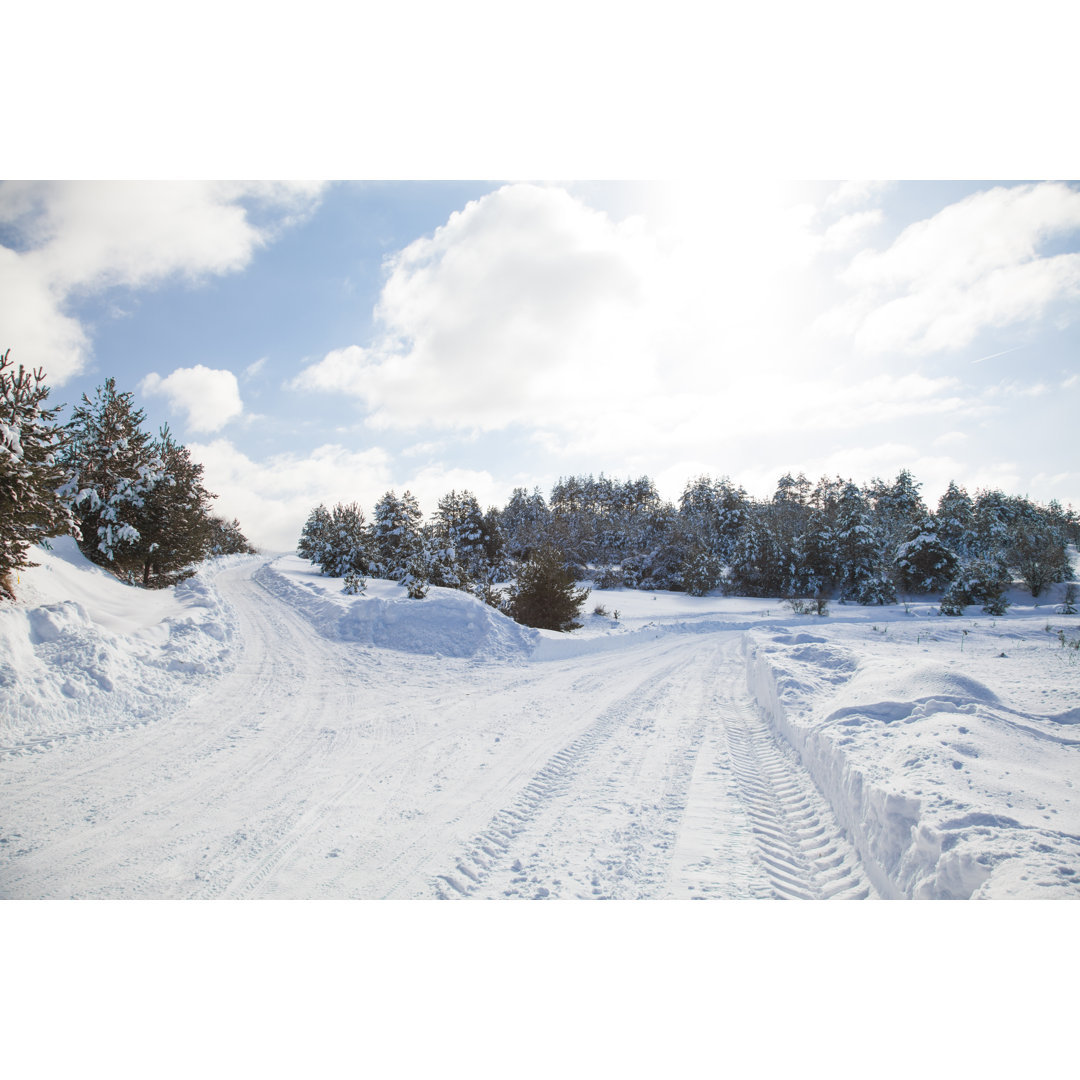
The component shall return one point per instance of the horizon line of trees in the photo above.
(864, 544)
(136, 505)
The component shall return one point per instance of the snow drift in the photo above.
(445, 623)
(933, 749)
(84, 653)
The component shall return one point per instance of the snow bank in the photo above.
(446, 622)
(948, 753)
(81, 652)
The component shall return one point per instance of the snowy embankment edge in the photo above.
(72, 677)
(901, 854)
(447, 622)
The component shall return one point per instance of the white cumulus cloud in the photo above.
(78, 237)
(979, 263)
(209, 396)
(529, 308)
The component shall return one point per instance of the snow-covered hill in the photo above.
(256, 732)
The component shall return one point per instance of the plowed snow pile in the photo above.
(948, 749)
(82, 652)
(446, 622)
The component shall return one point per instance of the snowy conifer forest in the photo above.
(837, 691)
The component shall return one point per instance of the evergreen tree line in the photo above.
(135, 504)
(864, 544)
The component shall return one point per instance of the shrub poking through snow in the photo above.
(981, 581)
(814, 605)
(354, 584)
(1068, 606)
(546, 594)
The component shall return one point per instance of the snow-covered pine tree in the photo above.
(31, 510)
(173, 522)
(758, 565)
(525, 522)
(111, 465)
(896, 509)
(315, 536)
(1037, 551)
(396, 535)
(712, 513)
(457, 541)
(348, 548)
(923, 562)
(992, 518)
(574, 518)
(954, 520)
(496, 561)
(227, 538)
(862, 576)
(980, 581)
(702, 572)
(818, 553)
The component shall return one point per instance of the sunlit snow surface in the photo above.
(257, 733)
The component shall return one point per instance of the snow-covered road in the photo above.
(328, 768)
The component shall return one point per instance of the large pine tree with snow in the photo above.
(396, 535)
(112, 466)
(31, 509)
(174, 521)
(315, 537)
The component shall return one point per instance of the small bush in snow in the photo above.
(545, 595)
(816, 605)
(1069, 605)
(354, 584)
(952, 603)
(981, 581)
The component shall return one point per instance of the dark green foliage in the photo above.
(832, 539)
(315, 537)
(525, 522)
(417, 578)
(1038, 553)
(955, 520)
(141, 507)
(112, 466)
(702, 573)
(31, 509)
(952, 603)
(981, 581)
(337, 541)
(173, 521)
(459, 542)
(226, 538)
(546, 594)
(897, 509)
(923, 562)
(396, 535)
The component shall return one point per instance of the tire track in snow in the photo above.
(487, 850)
(617, 767)
(801, 848)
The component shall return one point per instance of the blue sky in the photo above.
(322, 342)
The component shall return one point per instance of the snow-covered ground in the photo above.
(257, 733)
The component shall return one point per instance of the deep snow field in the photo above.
(257, 733)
